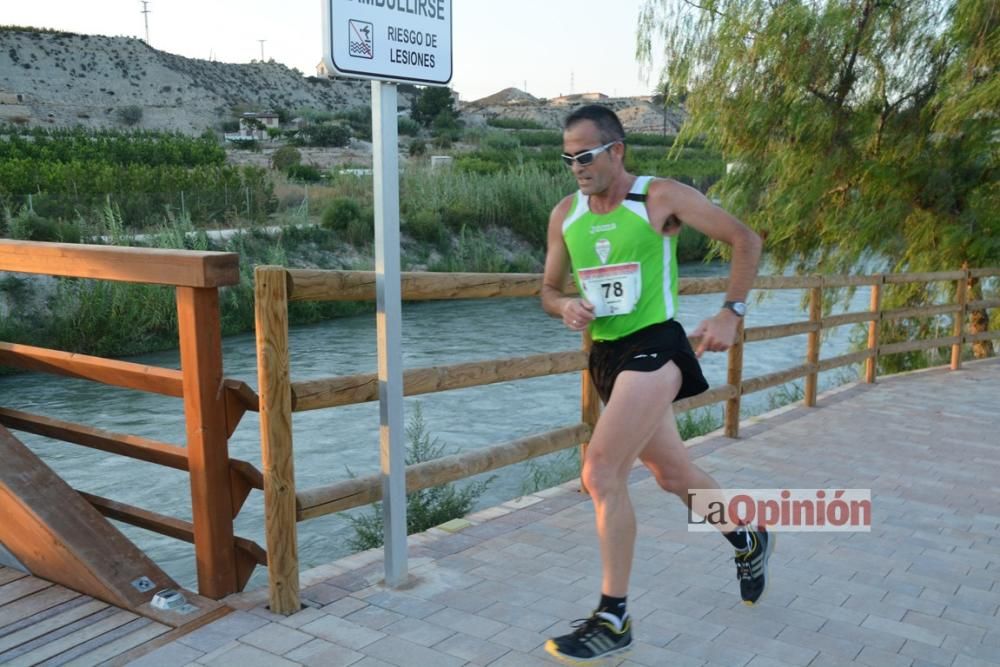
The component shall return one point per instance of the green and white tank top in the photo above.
(621, 264)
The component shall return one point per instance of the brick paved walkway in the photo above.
(920, 589)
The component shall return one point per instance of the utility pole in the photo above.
(262, 49)
(145, 13)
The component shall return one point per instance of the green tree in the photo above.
(285, 157)
(431, 103)
(327, 134)
(857, 130)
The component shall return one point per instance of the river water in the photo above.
(332, 444)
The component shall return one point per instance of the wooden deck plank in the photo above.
(114, 648)
(32, 604)
(20, 588)
(9, 574)
(85, 633)
(40, 616)
(50, 625)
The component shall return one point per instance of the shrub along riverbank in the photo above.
(488, 213)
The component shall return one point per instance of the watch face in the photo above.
(737, 307)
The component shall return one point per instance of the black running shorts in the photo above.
(647, 350)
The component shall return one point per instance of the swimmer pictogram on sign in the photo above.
(361, 36)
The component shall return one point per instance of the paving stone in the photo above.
(927, 654)
(655, 656)
(321, 653)
(771, 648)
(712, 651)
(826, 644)
(878, 658)
(342, 632)
(323, 594)
(344, 607)
(417, 631)
(828, 611)
(249, 656)
(275, 638)
(519, 639)
(475, 650)
(228, 628)
(515, 659)
(470, 624)
(907, 630)
(519, 617)
(374, 617)
(396, 651)
(863, 635)
(946, 626)
(685, 624)
(171, 655)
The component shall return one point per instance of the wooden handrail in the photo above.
(754, 334)
(844, 360)
(364, 490)
(831, 321)
(361, 388)
(131, 446)
(153, 379)
(920, 311)
(179, 268)
(902, 278)
(915, 345)
(327, 285)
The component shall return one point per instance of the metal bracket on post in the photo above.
(385, 152)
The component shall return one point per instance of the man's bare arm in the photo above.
(693, 208)
(575, 312)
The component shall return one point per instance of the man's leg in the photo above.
(630, 419)
(632, 416)
(667, 458)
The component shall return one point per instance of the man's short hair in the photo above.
(608, 125)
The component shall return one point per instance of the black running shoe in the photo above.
(593, 639)
(751, 565)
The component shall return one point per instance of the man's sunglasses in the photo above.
(584, 158)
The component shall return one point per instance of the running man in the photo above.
(618, 237)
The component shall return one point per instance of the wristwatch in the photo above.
(737, 307)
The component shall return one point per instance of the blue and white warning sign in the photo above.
(361, 39)
(389, 40)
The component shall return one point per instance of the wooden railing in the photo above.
(212, 406)
(280, 396)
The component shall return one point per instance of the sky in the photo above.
(547, 47)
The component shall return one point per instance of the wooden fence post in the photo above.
(207, 448)
(962, 299)
(734, 377)
(274, 382)
(812, 351)
(871, 364)
(590, 404)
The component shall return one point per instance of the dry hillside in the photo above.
(69, 79)
(638, 114)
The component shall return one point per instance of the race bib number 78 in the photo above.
(613, 289)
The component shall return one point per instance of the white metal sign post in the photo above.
(389, 41)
